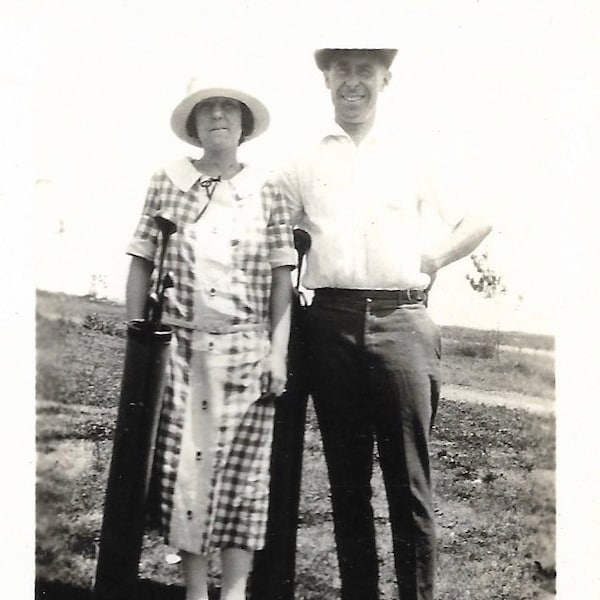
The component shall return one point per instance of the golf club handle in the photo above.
(300, 261)
(302, 243)
(149, 309)
(163, 252)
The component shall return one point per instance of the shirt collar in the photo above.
(337, 131)
(184, 175)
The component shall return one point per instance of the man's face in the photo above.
(355, 80)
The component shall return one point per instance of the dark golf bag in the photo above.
(134, 442)
(275, 566)
(133, 451)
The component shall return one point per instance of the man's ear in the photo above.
(326, 78)
(387, 77)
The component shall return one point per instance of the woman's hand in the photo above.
(275, 374)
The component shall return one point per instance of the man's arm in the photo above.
(285, 185)
(462, 240)
(138, 286)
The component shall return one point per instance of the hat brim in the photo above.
(324, 56)
(183, 110)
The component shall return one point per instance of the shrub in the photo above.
(475, 349)
(97, 322)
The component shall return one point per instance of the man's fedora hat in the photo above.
(196, 93)
(324, 56)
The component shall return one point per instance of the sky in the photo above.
(476, 88)
(501, 96)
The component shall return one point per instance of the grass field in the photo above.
(493, 468)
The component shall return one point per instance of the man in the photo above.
(373, 350)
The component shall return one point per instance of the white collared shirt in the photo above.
(367, 209)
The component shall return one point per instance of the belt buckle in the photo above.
(415, 296)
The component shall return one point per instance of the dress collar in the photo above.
(184, 175)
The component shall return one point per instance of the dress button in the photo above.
(204, 404)
(198, 455)
(189, 515)
(211, 345)
(212, 291)
(235, 242)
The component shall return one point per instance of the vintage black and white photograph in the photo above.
(298, 276)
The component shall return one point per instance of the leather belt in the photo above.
(399, 297)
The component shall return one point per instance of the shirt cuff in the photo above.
(283, 257)
(142, 248)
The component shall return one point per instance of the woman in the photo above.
(230, 260)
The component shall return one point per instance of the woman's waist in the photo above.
(214, 324)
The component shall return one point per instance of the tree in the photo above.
(488, 283)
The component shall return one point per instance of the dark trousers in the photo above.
(375, 376)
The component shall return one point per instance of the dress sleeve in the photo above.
(145, 238)
(280, 239)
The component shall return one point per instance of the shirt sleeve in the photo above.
(280, 239)
(287, 182)
(450, 198)
(440, 203)
(145, 238)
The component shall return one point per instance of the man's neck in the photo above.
(357, 131)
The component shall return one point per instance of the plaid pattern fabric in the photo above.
(260, 245)
(233, 433)
(210, 406)
(240, 493)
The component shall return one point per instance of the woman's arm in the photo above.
(281, 294)
(138, 286)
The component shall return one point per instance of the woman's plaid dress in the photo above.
(214, 439)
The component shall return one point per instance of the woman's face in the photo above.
(218, 122)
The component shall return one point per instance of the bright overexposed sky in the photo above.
(477, 87)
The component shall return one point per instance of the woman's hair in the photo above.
(247, 122)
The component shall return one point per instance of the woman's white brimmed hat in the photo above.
(197, 93)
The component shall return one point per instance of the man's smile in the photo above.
(352, 96)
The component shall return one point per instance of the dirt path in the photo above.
(532, 404)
